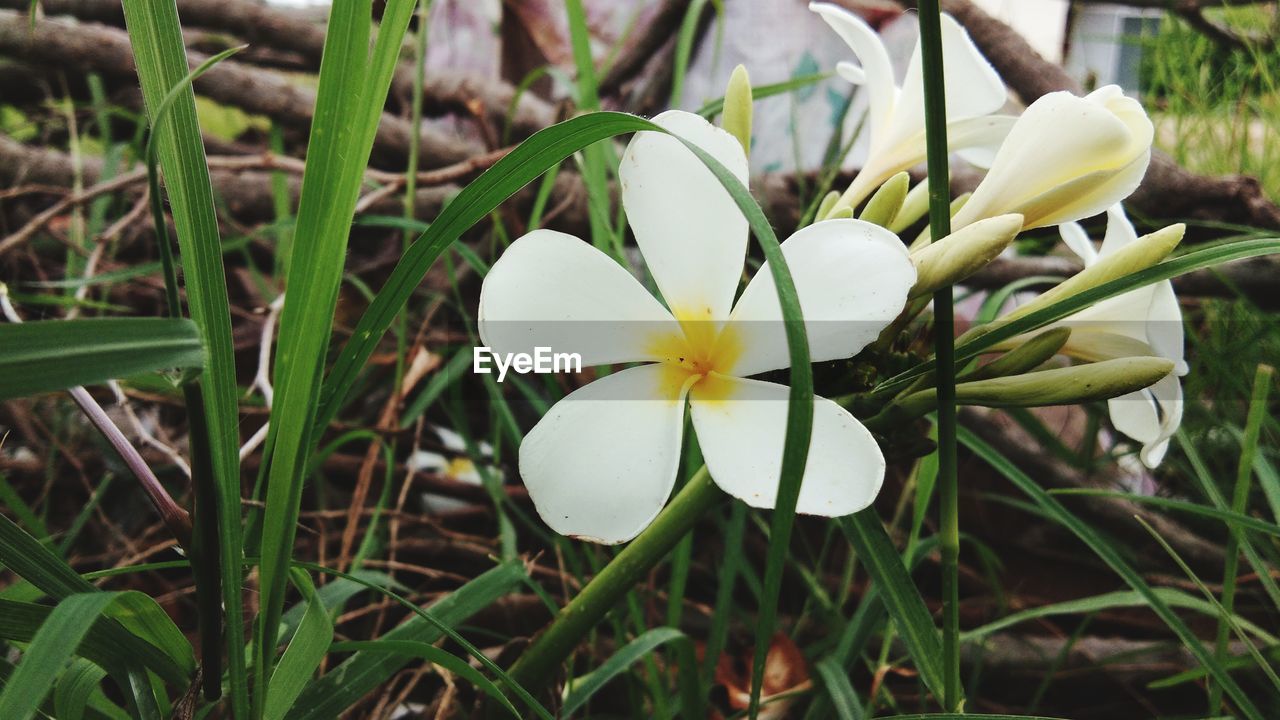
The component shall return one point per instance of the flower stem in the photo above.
(935, 115)
(538, 664)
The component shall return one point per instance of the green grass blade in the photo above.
(19, 622)
(352, 90)
(361, 673)
(900, 596)
(1228, 516)
(582, 689)
(1224, 615)
(60, 635)
(1112, 558)
(1195, 260)
(308, 647)
(1106, 601)
(49, 355)
(1239, 499)
(843, 697)
(32, 561)
(760, 92)
(160, 55)
(434, 655)
(53, 645)
(71, 695)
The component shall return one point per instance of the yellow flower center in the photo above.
(703, 352)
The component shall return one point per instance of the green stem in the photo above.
(537, 666)
(935, 115)
(1239, 498)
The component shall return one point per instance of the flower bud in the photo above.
(1024, 358)
(1065, 159)
(1059, 386)
(736, 116)
(1066, 386)
(827, 204)
(962, 253)
(914, 207)
(883, 207)
(1137, 255)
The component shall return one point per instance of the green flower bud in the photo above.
(826, 206)
(962, 253)
(737, 108)
(1066, 386)
(1134, 257)
(1024, 358)
(885, 204)
(913, 208)
(1059, 386)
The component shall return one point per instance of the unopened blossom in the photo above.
(896, 114)
(602, 462)
(1067, 158)
(1146, 321)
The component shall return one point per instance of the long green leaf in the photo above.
(843, 697)
(359, 674)
(163, 650)
(1208, 257)
(352, 90)
(1229, 516)
(1112, 558)
(53, 645)
(580, 691)
(900, 596)
(435, 656)
(56, 641)
(77, 684)
(57, 354)
(1123, 598)
(308, 647)
(160, 55)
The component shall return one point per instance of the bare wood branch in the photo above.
(455, 90)
(90, 47)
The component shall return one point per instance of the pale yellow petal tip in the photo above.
(737, 115)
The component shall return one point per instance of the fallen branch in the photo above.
(97, 48)
(452, 91)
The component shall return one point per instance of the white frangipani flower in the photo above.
(602, 462)
(896, 114)
(1066, 159)
(1146, 321)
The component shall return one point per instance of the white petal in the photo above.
(1164, 326)
(1078, 242)
(741, 425)
(973, 87)
(1150, 416)
(852, 278)
(1126, 315)
(1066, 158)
(691, 233)
(978, 140)
(1120, 231)
(553, 290)
(601, 463)
(851, 73)
(877, 71)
